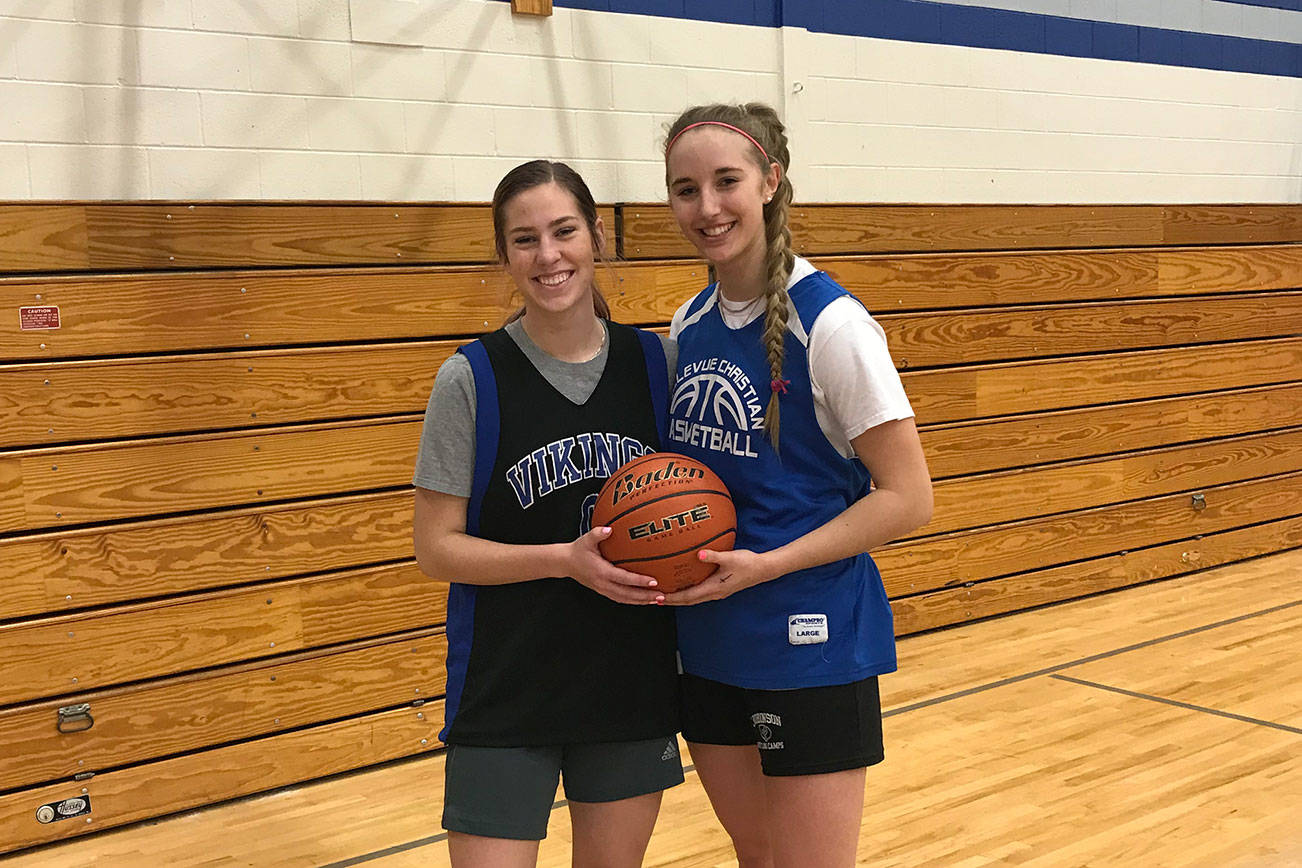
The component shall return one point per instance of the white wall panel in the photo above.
(211, 173)
(398, 72)
(415, 99)
(254, 120)
(65, 51)
(300, 66)
(134, 115)
(41, 112)
(307, 175)
(449, 128)
(205, 61)
(88, 172)
(154, 13)
(14, 182)
(407, 177)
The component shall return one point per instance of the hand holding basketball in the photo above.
(590, 569)
(734, 571)
(663, 509)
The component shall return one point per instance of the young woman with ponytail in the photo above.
(559, 664)
(786, 389)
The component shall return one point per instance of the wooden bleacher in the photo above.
(204, 471)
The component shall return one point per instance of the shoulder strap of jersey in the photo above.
(487, 428)
(808, 298)
(657, 371)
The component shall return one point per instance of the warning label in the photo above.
(31, 318)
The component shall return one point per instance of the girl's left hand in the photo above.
(738, 569)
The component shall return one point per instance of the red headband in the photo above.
(748, 136)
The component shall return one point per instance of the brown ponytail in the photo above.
(762, 124)
(535, 173)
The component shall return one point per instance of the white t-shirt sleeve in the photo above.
(855, 384)
(676, 324)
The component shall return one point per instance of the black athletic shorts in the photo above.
(507, 792)
(806, 731)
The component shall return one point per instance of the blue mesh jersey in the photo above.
(826, 625)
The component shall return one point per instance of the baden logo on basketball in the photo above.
(629, 483)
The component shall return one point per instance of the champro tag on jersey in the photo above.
(806, 629)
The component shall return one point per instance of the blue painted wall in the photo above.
(983, 27)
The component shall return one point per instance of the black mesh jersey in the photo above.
(550, 661)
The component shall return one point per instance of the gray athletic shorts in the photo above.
(507, 792)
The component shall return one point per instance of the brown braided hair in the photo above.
(535, 173)
(762, 123)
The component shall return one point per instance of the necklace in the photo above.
(600, 344)
(737, 313)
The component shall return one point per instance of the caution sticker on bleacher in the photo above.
(34, 318)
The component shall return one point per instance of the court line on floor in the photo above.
(1178, 704)
(1050, 670)
(432, 839)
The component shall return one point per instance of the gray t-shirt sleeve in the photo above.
(446, 459)
(671, 359)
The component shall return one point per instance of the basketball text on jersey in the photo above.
(720, 408)
(631, 482)
(569, 460)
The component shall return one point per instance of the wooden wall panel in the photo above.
(96, 566)
(647, 295)
(184, 782)
(649, 230)
(56, 402)
(62, 655)
(174, 235)
(145, 396)
(977, 447)
(12, 497)
(140, 723)
(73, 653)
(78, 485)
(179, 235)
(1010, 495)
(932, 281)
(926, 339)
(1026, 387)
(151, 313)
(43, 237)
(954, 605)
(62, 401)
(940, 281)
(986, 553)
(1232, 224)
(1229, 269)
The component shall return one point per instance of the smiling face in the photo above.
(717, 192)
(549, 250)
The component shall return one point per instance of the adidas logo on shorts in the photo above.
(671, 752)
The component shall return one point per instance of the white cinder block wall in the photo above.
(436, 99)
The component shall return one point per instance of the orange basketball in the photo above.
(663, 508)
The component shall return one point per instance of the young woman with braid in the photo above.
(785, 388)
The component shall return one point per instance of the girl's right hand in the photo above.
(591, 570)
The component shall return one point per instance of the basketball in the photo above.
(662, 509)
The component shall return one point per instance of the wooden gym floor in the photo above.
(1155, 726)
